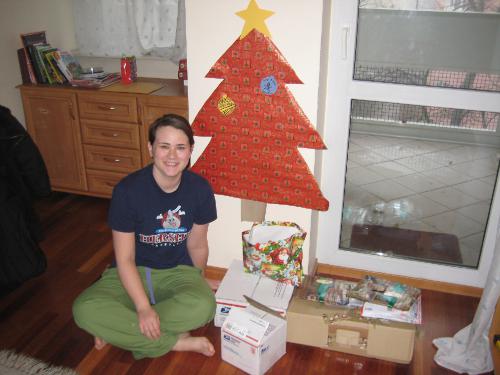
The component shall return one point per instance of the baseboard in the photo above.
(438, 286)
(217, 273)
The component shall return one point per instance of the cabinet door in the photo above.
(152, 108)
(53, 123)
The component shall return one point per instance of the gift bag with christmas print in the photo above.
(275, 250)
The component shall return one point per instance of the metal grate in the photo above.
(424, 115)
(428, 77)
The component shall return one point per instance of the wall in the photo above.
(212, 26)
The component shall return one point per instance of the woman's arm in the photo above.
(124, 245)
(197, 245)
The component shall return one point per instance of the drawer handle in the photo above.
(111, 160)
(106, 108)
(107, 183)
(43, 111)
(114, 135)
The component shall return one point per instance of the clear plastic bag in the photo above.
(393, 294)
(330, 291)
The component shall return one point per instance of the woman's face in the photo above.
(170, 151)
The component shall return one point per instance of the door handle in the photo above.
(112, 160)
(344, 42)
(106, 134)
(107, 108)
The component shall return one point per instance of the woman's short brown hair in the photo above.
(173, 120)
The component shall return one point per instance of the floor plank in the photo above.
(36, 318)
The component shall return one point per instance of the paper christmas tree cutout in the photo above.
(257, 127)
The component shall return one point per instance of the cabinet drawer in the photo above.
(111, 159)
(106, 106)
(101, 182)
(110, 134)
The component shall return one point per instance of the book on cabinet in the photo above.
(27, 75)
(27, 40)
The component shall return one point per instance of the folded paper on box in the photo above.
(275, 250)
(237, 284)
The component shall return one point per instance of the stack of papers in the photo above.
(413, 315)
(96, 80)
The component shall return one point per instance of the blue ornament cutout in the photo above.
(269, 85)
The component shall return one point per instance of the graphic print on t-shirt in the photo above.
(170, 232)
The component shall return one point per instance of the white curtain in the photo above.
(113, 28)
(155, 22)
(469, 351)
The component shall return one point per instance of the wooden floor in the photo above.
(36, 320)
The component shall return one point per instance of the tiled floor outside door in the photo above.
(420, 185)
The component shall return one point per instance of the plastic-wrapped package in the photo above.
(330, 291)
(392, 294)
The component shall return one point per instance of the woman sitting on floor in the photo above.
(155, 293)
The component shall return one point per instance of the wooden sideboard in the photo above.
(90, 139)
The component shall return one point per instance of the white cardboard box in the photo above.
(237, 283)
(253, 339)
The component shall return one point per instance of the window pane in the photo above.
(419, 181)
(429, 43)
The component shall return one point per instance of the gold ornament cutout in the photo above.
(226, 105)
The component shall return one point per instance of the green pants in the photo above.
(184, 301)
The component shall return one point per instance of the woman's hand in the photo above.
(149, 323)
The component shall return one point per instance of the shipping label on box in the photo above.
(237, 283)
(222, 311)
(253, 339)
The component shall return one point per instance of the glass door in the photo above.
(413, 107)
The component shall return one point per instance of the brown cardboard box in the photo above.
(340, 329)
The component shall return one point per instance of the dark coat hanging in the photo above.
(23, 178)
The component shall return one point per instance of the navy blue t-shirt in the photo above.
(161, 221)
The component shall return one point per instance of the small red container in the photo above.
(128, 69)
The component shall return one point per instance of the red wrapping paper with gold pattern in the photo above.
(256, 127)
(275, 250)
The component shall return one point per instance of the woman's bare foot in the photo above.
(188, 343)
(99, 343)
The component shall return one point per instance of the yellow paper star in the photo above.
(254, 19)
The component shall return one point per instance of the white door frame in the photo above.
(340, 90)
